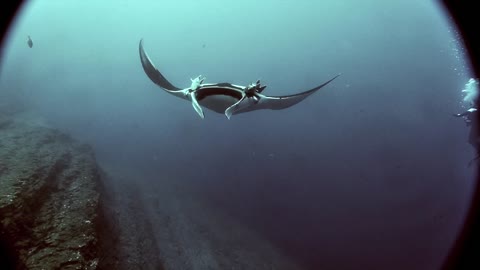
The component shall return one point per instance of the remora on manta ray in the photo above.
(225, 98)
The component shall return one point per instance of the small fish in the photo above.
(30, 42)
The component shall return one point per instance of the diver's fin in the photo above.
(470, 163)
(152, 72)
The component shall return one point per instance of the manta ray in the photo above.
(224, 98)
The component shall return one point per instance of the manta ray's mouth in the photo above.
(217, 99)
(215, 91)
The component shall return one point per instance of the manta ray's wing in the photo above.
(281, 102)
(153, 73)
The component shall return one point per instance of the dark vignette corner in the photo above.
(7, 13)
(464, 254)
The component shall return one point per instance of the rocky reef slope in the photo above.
(50, 208)
(56, 212)
(167, 225)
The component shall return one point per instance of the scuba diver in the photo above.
(470, 117)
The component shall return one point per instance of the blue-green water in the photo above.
(370, 171)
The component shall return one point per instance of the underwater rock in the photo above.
(55, 212)
(4, 121)
(50, 199)
(168, 225)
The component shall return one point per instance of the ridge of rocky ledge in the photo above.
(51, 214)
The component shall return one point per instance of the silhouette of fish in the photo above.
(30, 42)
